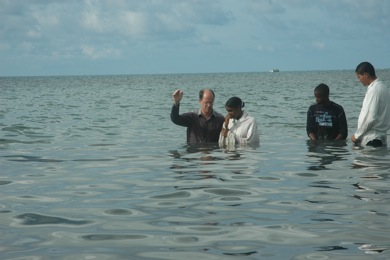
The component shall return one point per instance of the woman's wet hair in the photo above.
(235, 102)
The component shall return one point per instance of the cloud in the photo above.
(319, 44)
(214, 31)
(4, 46)
(150, 18)
(266, 7)
(96, 53)
(134, 23)
(265, 48)
(98, 17)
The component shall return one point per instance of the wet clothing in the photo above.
(199, 129)
(374, 117)
(243, 131)
(327, 121)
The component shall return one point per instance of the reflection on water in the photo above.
(372, 157)
(326, 152)
(202, 161)
(83, 178)
(37, 219)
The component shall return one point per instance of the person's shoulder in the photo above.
(335, 104)
(251, 119)
(218, 115)
(193, 113)
(338, 106)
(246, 115)
(380, 85)
(247, 118)
(378, 81)
(313, 106)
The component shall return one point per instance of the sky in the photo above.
(111, 37)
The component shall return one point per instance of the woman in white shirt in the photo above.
(239, 127)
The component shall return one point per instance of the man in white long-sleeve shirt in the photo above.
(374, 118)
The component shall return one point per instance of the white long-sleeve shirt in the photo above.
(243, 131)
(374, 118)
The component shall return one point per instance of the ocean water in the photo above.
(91, 167)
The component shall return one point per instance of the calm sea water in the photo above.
(92, 168)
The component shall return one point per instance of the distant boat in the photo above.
(274, 70)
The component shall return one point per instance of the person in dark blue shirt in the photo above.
(326, 120)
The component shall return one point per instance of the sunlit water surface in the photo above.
(92, 168)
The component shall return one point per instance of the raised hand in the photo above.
(225, 129)
(227, 118)
(177, 96)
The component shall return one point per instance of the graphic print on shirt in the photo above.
(324, 119)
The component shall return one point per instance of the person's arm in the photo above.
(252, 136)
(225, 126)
(176, 118)
(177, 96)
(343, 131)
(247, 134)
(367, 116)
(310, 126)
(354, 139)
(312, 136)
(222, 136)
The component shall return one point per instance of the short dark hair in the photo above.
(235, 102)
(365, 67)
(201, 93)
(323, 89)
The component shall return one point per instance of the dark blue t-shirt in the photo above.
(327, 121)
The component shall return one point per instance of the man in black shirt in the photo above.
(204, 125)
(326, 120)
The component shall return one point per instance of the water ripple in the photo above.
(174, 195)
(118, 212)
(99, 237)
(227, 192)
(37, 219)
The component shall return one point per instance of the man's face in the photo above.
(320, 98)
(207, 103)
(363, 78)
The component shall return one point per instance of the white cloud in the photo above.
(45, 18)
(34, 33)
(266, 7)
(133, 23)
(4, 46)
(97, 53)
(26, 46)
(91, 22)
(265, 48)
(171, 23)
(144, 31)
(319, 44)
